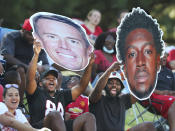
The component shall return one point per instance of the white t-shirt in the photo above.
(18, 116)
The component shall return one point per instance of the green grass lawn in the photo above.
(130, 116)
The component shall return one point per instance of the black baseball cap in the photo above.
(52, 71)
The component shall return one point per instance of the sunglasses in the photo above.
(11, 85)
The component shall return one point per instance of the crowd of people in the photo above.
(97, 97)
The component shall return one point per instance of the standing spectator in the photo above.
(17, 47)
(91, 25)
(109, 109)
(47, 103)
(120, 16)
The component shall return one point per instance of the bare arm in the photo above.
(80, 88)
(13, 61)
(31, 82)
(8, 120)
(94, 71)
(8, 50)
(88, 91)
(101, 83)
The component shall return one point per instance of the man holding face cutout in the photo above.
(140, 47)
(64, 41)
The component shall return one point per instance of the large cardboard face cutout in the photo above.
(64, 41)
(139, 47)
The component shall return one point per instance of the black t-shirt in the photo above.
(13, 44)
(41, 103)
(165, 80)
(110, 112)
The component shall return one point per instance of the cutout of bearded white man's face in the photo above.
(64, 43)
(141, 63)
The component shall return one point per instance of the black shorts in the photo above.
(69, 125)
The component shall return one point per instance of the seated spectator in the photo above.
(105, 52)
(80, 106)
(91, 25)
(12, 76)
(164, 105)
(17, 49)
(11, 101)
(47, 105)
(168, 48)
(171, 60)
(162, 99)
(66, 77)
(8, 119)
(165, 80)
(4, 31)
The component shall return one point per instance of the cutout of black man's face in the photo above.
(141, 63)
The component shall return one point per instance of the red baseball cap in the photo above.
(171, 55)
(26, 25)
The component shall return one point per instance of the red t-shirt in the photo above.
(78, 107)
(96, 33)
(161, 103)
(102, 63)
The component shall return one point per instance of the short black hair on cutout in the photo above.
(138, 18)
